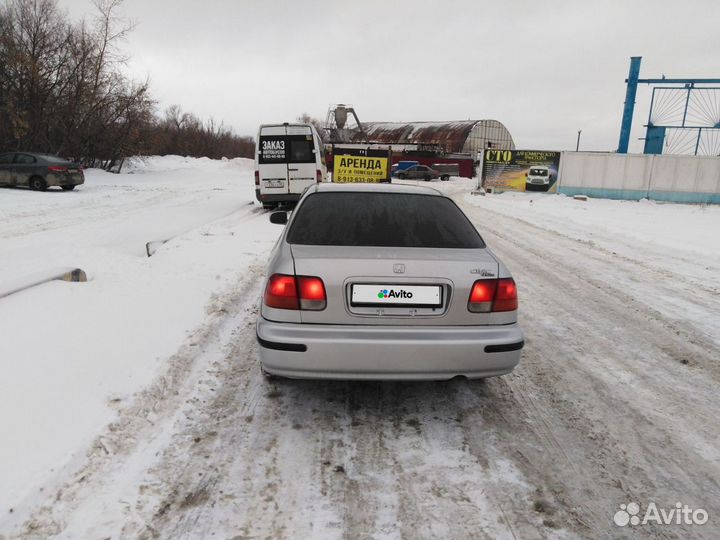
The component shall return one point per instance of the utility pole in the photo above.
(577, 146)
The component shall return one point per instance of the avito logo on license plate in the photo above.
(380, 295)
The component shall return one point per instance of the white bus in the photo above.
(288, 159)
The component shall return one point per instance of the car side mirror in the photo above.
(526, 175)
(279, 218)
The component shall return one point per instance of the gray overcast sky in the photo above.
(544, 69)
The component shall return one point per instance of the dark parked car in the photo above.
(39, 171)
(418, 172)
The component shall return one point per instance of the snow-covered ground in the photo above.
(659, 231)
(643, 236)
(72, 351)
(132, 405)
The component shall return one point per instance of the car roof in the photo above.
(376, 188)
(34, 154)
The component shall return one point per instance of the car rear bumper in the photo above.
(387, 352)
(277, 197)
(64, 180)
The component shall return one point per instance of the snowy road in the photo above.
(615, 401)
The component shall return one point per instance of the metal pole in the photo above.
(577, 146)
(652, 103)
(697, 143)
(632, 82)
(687, 102)
(481, 165)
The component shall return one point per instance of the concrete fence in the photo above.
(687, 179)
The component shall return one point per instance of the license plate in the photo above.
(274, 183)
(405, 295)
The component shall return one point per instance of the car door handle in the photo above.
(293, 170)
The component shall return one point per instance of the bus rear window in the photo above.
(286, 149)
(301, 149)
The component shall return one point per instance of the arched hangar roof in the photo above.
(460, 136)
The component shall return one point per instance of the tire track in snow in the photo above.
(117, 460)
(604, 382)
(637, 277)
(597, 414)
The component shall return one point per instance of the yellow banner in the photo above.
(349, 169)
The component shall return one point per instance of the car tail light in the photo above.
(506, 296)
(281, 292)
(482, 295)
(493, 295)
(295, 292)
(318, 175)
(257, 178)
(312, 293)
(57, 168)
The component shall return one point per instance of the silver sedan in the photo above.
(373, 281)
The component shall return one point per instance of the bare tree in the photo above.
(63, 90)
(305, 118)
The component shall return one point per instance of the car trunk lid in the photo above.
(395, 286)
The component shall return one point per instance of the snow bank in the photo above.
(668, 225)
(71, 350)
(665, 233)
(145, 164)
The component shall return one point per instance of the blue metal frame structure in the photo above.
(629, 108)
(669, 116)
(656, 132)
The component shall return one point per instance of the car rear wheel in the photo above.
(445, 178)
(37, 183)
(427, 178)
(68, 188)
(401, 176)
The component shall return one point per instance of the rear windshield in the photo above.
(382, 220)
(301, 149)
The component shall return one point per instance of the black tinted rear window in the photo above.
(301, 149)
(286, 149)
(382, 219)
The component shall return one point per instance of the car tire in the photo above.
(68, 188)
(427, 178)
(401, 176)
(444, 178)
(37, 183)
